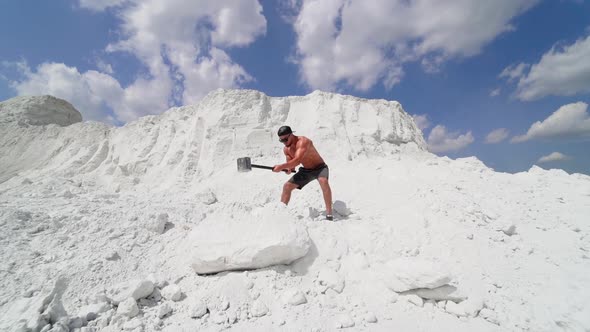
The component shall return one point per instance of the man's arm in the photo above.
(289, 158)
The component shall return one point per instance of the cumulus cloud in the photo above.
(439, 140)
(514, 72)
(495, 92)
(104, 67)
(360, 43)
(555, 156)
(570, 121)
(181, 44)
(497, 136)
(188, 38)
(91, 92)
(98, 96)
(421, 121)
(562, 71)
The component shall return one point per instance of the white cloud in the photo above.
(569, 121)
(289, 9)
(495, 92)
(361, 43)
(555, 156)
(96, 95)
(560, 72)
(497, 136)
(210, 73)
(514, 72)
(439, 140)
(181, 44)
(88, 92)
(187, 38)
(104, 67)
(421, 121)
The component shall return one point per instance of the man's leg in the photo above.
(325, 185)
(288, 187)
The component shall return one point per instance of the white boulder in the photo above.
(331, 279)
(344, 321)
(207, 197)
(294, 297)
(455, 309)
(258, 309)
(370, 317)
(128, 308)
(157, 224)
(164, 310)
(198, 309)
(268, 236)
(137, 289)
(91, 311)
(172, 292)
(445, 292)
(404, 274)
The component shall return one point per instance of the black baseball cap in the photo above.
(284, 130)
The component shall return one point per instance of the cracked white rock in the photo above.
(198, 309)
(344, 321)
(294, 297)
(370, 317)
(258, 309)
(455, 309)
(128, 308)
(445, 292)
(172, 292)
(164, 310)
(268, 236)
(137, 289)
(404, 274)
(331, 279)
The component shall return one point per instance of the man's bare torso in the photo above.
(311, 159)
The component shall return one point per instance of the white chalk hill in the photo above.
(184, 146)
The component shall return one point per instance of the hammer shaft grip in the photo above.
(260, 166)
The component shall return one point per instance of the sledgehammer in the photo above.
(245, 165)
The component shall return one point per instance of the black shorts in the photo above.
(306, 175)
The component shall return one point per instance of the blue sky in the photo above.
(507, 81)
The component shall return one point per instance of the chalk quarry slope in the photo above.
(186, 144)
(102, 226)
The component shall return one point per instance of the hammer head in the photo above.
(244, 164)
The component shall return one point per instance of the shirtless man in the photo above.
(300, 150)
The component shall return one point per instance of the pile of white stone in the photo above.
(427, 283)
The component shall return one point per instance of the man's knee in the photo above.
(289, 186)
(323, 182)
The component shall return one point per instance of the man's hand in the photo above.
(280, 168)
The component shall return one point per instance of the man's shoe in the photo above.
(329, 217)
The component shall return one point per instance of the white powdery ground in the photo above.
(420, 243)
